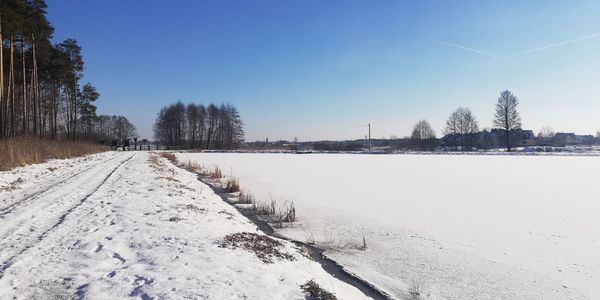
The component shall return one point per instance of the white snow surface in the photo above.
(116, 225)
(465, 227)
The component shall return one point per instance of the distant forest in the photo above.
(195, 126)
(40, 90)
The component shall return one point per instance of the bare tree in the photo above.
(507, 117)
(546, 132)
(194, 126)
(453, 122)
(462, 122)
(422, 135)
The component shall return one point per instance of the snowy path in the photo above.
(118, 225)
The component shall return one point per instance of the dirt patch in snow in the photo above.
(265, 247)
(316, 292)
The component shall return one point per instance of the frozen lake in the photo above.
(464, 226)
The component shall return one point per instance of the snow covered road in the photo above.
(118, 225)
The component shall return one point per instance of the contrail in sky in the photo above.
(471, 49)
(554, 45)
(593, 35)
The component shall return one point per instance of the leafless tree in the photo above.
(507, 117)
(194, 126)
(462, 122)
(546, 132)
(422, 135)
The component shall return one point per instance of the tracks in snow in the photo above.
(25, 229)
(52, 184)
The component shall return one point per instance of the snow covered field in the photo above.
(466, 227)
(119, 225)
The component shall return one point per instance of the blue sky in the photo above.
(324, 69)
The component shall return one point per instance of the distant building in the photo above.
(496, 138)
(562, 139)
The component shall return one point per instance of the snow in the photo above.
(124, 224)
(465, 226)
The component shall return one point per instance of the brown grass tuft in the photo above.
(216, 174)
(170, 156)
(233, 185)
(25, 151)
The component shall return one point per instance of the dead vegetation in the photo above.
(25, 151)
(233, 185)
(264, 208)
(245, 198)
(328, 240)
(264, 247)
(193, 167)
(170, 156)
(316, 292)
(216, 174)
(268, 211)
(415, 290)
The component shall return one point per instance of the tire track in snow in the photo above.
(43, 192)
(49, 187)
(10, 261)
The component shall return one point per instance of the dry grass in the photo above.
(245, 198)
(194, 167)
(265, 247)
(264, 208)
(25, 151)
(288, 213)
(233, 185)
(316, 292)
(415, 290)
(170, 156)
(216, 174)
(277, 217)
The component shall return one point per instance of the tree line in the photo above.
(199, 127)
(40, 90)
(464, 124)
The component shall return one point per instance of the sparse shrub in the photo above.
(233, 185)
(316, 292)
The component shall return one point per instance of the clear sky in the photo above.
(324, 69)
